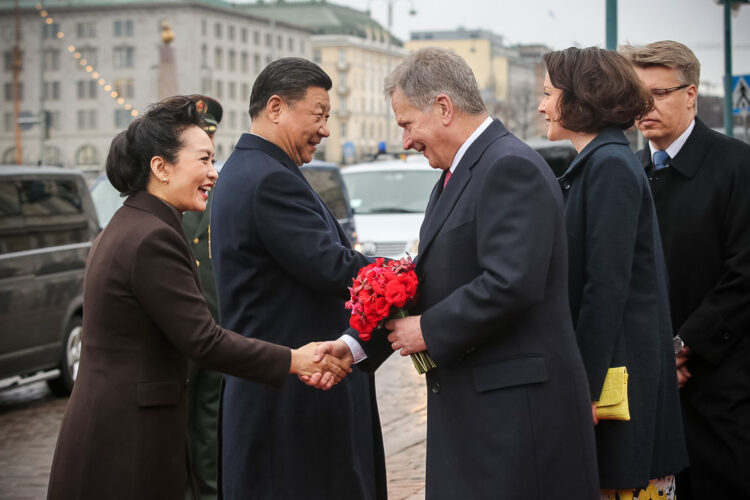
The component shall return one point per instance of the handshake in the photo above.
(322, 364)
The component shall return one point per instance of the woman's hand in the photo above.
(593, 412)
(322, 374)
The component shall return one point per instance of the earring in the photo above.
(165, 180)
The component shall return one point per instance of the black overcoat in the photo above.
(124, 434)
(703, 205)
(620, 309)
(508, 412)
(282, 266)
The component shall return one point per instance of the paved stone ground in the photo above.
(30, 419)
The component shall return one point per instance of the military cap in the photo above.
(212, 112)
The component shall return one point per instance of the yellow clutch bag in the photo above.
(613, 403)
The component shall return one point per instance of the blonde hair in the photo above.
(666, 53)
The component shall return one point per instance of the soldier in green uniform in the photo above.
(204, 387)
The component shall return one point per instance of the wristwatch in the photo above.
(677, 344)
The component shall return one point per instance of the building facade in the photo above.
(218, 49)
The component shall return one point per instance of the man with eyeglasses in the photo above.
(700, 180)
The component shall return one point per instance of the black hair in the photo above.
(288, 78)
(158, 132)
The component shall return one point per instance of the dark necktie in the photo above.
(661, 160)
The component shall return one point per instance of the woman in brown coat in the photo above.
(124, 431)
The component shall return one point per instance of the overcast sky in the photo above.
(562, 23)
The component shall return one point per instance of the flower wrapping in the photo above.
(381, 291)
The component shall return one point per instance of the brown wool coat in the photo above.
(124, 431)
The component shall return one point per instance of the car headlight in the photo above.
(367, 247)
(412, 247)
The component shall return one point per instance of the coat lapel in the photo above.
(442, 200)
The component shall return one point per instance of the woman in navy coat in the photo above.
(617, 276)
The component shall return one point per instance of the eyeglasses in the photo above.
(662, 93)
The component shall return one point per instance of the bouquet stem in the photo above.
(423, 362)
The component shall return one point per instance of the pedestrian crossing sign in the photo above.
(740, 94)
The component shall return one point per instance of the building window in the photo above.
(89, 55)
(9, 91)
(256, 63)
(342, 56)
(290, 44)
(243, 35)
(231, 60)
(279, 42)
(217, 31)
(245, 62)
(218, 58)
(86, 155)
(51, 60)
(123, 28)
(230, 32)
(245, 94)
(122, 118)
(8, 58)
(125, 87)
(219, 90)
(52, 156)
(301, 46)
(343, 130)
(269, 40)
(50, 31)
(204, 27)
(86, 89)
(232, 90)
(9, 125)
(86, 30)
(86, 119)
(256, 37)
(53, 122)
(123, 57)
(232, 120)
(206, 86)
(316, 56)
(204, 55)
(51, 91)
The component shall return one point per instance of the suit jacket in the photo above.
(703, 206)
(508, 411)
(123, 435)
(282, 266)
(620, 308)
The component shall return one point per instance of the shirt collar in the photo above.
(473, 137)
(676, 146)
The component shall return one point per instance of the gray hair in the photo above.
(432, 71)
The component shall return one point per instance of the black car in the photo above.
(47, 225)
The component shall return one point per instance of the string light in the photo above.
(85, 64)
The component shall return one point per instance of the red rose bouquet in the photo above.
(381, 291)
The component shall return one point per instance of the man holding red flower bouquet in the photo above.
(508, 407)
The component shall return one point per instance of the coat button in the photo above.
(196, 240)
(726, 336)
(197, 263)
(436, 388)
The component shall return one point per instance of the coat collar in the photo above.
(143, 200)
(441, 203)
(691, 156)
(610, 135)
(252, 141)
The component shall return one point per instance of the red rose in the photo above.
(382, 306)
(395, 293)
(409, 280)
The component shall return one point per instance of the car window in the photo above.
(106, 200)
(326, 182)
(390, 191)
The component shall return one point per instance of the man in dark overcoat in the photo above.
(700, 181)
(508, 410)
(282, 266)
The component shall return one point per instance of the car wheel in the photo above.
(70, 358)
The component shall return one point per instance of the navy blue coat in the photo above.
(703, 204)
(620, 309)
(508, 413)
(282, 266)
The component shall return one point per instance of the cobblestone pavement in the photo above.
(30, 419)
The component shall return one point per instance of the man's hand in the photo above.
(321, 372)
(406, 334)
(680, 361)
